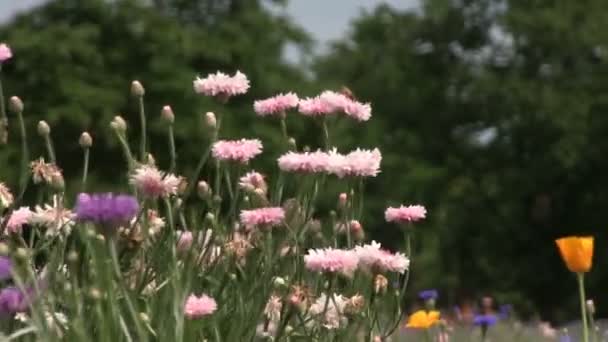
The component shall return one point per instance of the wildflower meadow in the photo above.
(227, 252)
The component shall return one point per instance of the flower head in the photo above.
(272, 311)
(358, 163)
(197, 307)
(106, 209)
(276, 105)
(405, 214)
(6, 197)
(17, 219)
(428, 294)
(220, 84)
(331, 260)
(314, 106)
(330, 311)
(375, 258)
(262, 217)
(5, 53)
(330, 102)
(252, 181)
(305, 162)
(184, 240)
(54, 218)
(153, 183)
(44, 172)
(423, 319)
(485, 319)
(13, 300)
(240, 151)
(577, 252)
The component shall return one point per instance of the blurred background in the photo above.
(492, 113)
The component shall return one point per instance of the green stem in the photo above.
(126, 150)
(172, 150)
(408, 253)
(581, 292)
(142, 118)
(24, 155)
(85, 169)
(49, 148)
(326, 134)
(284, 129)
(3, 117)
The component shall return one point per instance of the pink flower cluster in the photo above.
(331, 260)
(404, 214)
(220, 84)
(5, 52)
(253, 181)
(237, 150)
(358, 163)
(376, 259)
(17, 219)
(330, 102)
(262, 217)
(153, 183)
(197, 307)
(276, 105)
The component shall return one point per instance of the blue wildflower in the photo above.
(428, 294)
(485, 320)
(106, 209)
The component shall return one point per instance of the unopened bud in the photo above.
(185, 241)
(380, 283)
(119, 124)
(167, 114)
(15, 104)
(4, 250)
(150, 160)
(100, 237)
(342, 199)
(232, 276)
(278, 281)
(137, 89)
(217, 201)
(21, 253)
(291, 144)
(210, 218)
(85, 140)
(57, 181)
(590, 306)
(203, 190)
(94, 293)
(210, 120)
(73, 256)
(43, 128)
(314, 226)
(144, 317)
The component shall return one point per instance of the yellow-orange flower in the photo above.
(577, 252)
(422, 319)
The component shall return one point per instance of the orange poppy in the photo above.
(577, 252)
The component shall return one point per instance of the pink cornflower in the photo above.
(314, 106)
(17, 219)
(44, 172)
(220, 84)
(331, 260)
(305, 162)
(358, 111)
(6, 197)
(55, 218)
(330, 102)
(5, 53)
(252, 181)
(262, 217)
(197, 307)
(184, 241)
(276, 105)
(404, 214)
(153, 183)
(237, 150)
(358, 163)
(376, 259)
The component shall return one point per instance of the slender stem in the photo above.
(126, 150)
(85, 168)
(172, 150)
(142, 118)
(24, 156)
(408, 253)
(326, 134)
(581, 292)
(204, 157)
(3, 117)
(49, 148)
(284, 129)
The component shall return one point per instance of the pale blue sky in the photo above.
(325, 19)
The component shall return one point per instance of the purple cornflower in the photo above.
(6, 266)
(107, 209)
(13, 300)
(485, 320)
(504, 311)
(428, 294)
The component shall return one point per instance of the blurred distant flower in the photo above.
(220, 84)
(403, 214)
(6, 266)
(5, 53)
(153, 183)
(240, 151)
(13, 300)
(262, 217)
(428, 294)
(485, 320)
(276, 105)
(252, 181)
(504, 311)
(330, 312)
(331, 260)
(422, 319)
(6, 197)
(17, 219)
(577, 252)
(107, 209)
(197, 307)
(546, 330)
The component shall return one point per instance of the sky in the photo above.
(326, 20)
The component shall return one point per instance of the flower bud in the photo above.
(73, 256)
(210, 218)
(4, 249)
(278, 281)
(185, 241)
(43, 128)
(144, 317)
(380, 283)
(167, 114)
(342, 199)
(314, 226)
(137, 89)
(210, 120)
(15, 105)
(217, 201)
(150, 160)
(291, 144)
(590, 307)
(21, 253)
(119, 124)
(203, 190)
(94, 293)
(57, 181)
(85, 140)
